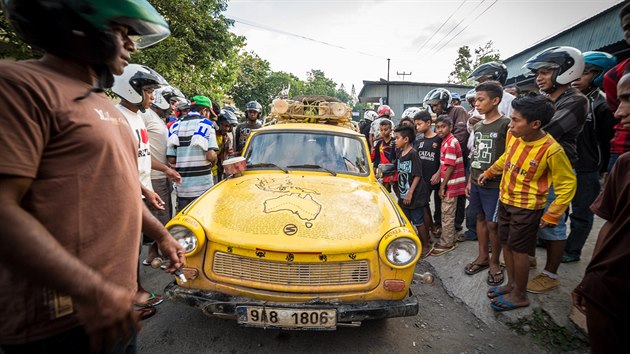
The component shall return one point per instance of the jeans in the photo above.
(558, 233)
(588, 189)
(182, 202)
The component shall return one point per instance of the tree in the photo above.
(250, 83)
(318, 84)
(200, 56)
(343, 95)
(464, 64)
(11, 47)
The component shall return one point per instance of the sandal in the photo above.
(460, 237)
(502, 305)
(426, 253)
(440, 250)
(153, 300)
(146, 312)
(492, 277)
(494, 292)
(474, 268)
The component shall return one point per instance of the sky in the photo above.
(350, 40)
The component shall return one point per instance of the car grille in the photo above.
(296, 274)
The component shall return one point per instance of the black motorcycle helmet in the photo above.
(494, 70)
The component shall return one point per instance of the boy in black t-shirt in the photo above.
(428, 147)
(411, 189)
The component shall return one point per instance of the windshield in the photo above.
(304, 150)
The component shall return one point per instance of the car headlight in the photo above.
(185, 237)
(401, 251)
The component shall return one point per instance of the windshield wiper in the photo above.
(268, 164)
(313, 166)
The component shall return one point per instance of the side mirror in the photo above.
(379, 172)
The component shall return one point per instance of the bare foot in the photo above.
(499, 290)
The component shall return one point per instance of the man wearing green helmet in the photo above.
(70, 205)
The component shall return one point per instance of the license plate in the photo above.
(286, 318)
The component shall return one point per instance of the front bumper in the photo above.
(224, 306)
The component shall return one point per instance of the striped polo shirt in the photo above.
(529, 168)
(192, 164)
(451, 155)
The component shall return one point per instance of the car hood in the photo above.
(296, 213)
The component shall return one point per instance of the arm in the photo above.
(460, 129)
(564, 185)
(153, 228)
(104, 308)
(412, 188)
(167, 170)
(447, 176)
(152, 198)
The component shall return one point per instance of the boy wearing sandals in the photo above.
(453, 183)
(489, 142)
(532, 161)
(411, 190)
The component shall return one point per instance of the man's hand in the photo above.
(482, 179)
(108, 317)
(579, 302)
(154, 200)
(174, 251)
(407, 199)
(435, 179)
(211, 156)
(468, 188)
(442, 192)
(173, 175)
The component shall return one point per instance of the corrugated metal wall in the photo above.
(592, 34)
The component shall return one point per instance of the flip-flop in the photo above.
(145, 262)
(474, 268)
(438, 251)
(146, 312)
(152, 301)
(427, 253)
(491, 276)
(495, 292)
(504, 305)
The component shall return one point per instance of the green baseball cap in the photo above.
(201, 101)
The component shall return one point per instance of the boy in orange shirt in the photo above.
(532, 161)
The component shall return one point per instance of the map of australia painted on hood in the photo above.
(296, 200)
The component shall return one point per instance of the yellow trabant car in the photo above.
(305, 238)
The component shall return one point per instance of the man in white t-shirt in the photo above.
(135, 89)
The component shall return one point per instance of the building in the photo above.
(601, 32)
(404, 94)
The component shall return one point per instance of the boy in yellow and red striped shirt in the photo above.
(532, 161)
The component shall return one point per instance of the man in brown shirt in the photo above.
(70, 205)
(604, 292)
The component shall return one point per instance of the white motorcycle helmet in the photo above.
(410, 112)
(370, 115)
(130, 84)
(567, 63)
(163, 95)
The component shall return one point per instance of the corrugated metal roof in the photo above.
(593, 33)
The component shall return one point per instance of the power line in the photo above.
(457, 25)
(271, 29)
(438, 30)
(463, 29)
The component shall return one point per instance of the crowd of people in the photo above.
(90, 181)
(526, 163)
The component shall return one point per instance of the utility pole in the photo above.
(387, 98)
(403, 74)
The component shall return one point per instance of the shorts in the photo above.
(415, 216)
(483, 201)
(518, 227)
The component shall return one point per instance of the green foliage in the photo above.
(318, 84)
(201, 55)
(464, 64)
(546, 332)
(11, 47)
(253, 72)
